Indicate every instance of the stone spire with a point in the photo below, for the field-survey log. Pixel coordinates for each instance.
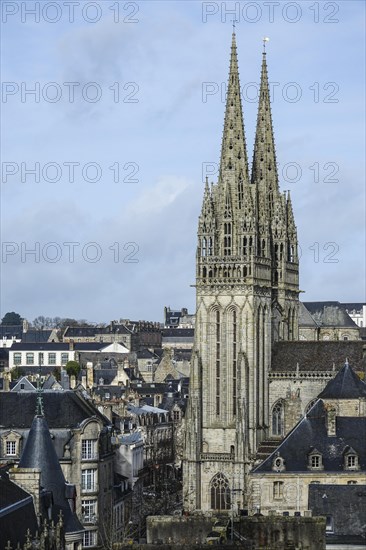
(264, 169)
(234, 160)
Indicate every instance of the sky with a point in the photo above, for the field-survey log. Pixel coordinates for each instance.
(112, 114)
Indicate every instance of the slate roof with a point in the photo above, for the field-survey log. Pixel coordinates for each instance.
(353, 306)
(146, 354)
(79, 332)
(36, 336)
(8, 331)
(39, 452)
(114, 391)
(177, 332)
(317, 355)
(311, 433)
(330, 314)
(348, 519)
(63, 409)
(305, 317)
(108, 376)
(130, 439)
(15, 521)
(345, 385)
(39, 346)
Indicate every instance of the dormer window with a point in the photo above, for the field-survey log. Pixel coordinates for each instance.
(315, 460)
(351, 461)
(278, 464)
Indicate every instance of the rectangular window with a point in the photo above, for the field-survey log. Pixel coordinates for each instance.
(278, 489)
(88, 449)
(329, 525)
(64, 358)
(88, 480)
(90, 539)
(88, 508)
(11, 448)
(316, 462)
(17, 358)
(52, 358)
(40, 358)
(176, 416)
(351, 461)
(30, 358)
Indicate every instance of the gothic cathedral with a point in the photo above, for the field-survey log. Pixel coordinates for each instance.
(247, 289)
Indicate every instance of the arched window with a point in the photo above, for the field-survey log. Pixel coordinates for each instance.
(204, 247)
(234, 362)
(218, 362)
(227, 239)
(310, 404)
(220, 492)
(277, 418)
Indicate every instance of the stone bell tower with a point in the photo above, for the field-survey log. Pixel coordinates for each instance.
(246, 298)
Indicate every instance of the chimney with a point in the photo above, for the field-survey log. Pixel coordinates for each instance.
(65, 383)
(89, 374)
(25, 325)
(6, 383)
(331, 420)
(71, 345)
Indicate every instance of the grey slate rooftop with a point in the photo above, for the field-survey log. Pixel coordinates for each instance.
(14, 522)
(311, 433)
(345, 385)
(317, 355)
(63, 408)
(39, 452)
(330, 314)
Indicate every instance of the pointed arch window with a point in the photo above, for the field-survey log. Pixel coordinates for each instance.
(210, 246)
(218, 365)
(291, 253)
(245, 244)
(220, 492)
(263, 248)
(227, 239)
(204, 247)
(240, 187)
(235, 330)
(278, 418)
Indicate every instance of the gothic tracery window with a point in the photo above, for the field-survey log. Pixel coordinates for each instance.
(277, 418)
(220, 492)
(234, 362)
(227, 239)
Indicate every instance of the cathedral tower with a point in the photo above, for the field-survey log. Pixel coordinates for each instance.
(246, 298)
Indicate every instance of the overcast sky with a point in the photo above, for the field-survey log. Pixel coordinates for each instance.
(141, 114)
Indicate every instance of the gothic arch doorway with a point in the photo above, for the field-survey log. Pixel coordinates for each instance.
(220, 492)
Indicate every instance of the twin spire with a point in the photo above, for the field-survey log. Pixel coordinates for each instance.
(234, 159)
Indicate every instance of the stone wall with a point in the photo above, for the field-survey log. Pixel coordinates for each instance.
(255, 532)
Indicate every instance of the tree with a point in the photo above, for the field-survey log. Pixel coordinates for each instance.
(16, 372)
(11, 318)
(72, 368)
